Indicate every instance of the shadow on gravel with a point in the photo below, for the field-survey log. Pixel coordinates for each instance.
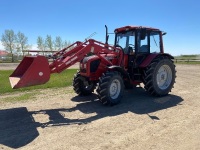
(18, 128)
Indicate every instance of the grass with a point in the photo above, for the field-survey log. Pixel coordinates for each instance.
(188, 57)
(22, 97)
(57, 80)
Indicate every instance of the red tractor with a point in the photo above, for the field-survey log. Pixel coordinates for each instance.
(136, 57)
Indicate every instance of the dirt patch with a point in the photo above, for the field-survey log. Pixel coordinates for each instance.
(58, 119)
(8, 66)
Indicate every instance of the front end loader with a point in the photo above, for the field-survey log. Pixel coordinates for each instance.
(136, 57)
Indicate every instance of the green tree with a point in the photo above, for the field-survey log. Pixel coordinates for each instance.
(40, 44)
(8, 40)
(65, 44)
(49, 42)
(58, 43)
(22, 42)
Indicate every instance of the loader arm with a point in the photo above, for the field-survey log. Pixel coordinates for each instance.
(36, 70)
(68, 58)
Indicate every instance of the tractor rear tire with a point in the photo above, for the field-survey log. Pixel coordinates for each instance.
(82, 86)
(111, 88)
(159, 76)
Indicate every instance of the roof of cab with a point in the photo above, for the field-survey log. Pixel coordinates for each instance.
(126, 28)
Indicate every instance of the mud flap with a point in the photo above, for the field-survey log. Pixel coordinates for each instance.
(33, 70)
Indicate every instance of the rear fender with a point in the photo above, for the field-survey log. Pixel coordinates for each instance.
(149, 59)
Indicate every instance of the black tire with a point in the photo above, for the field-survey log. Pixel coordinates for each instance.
(82, 86)
(159, 76)
(111, 88)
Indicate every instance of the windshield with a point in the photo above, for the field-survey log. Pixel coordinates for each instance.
(126, 41)
(154, 42)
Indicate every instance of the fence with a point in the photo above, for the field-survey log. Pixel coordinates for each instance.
(17, 58)
(187, 60)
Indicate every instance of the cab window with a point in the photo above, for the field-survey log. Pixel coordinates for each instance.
(154, 42)
(126, 40)
(143, 44)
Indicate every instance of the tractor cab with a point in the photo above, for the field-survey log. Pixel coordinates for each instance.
(138, 42)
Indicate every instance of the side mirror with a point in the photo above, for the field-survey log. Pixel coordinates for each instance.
(143, 34)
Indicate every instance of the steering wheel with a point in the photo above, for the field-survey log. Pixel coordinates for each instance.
(131, 49)
(131, 45)
(119, 47)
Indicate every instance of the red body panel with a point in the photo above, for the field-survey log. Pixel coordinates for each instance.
(148, 60)
(150, 57)
(105, 61)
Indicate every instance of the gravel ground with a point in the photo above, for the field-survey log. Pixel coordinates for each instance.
(59, 119)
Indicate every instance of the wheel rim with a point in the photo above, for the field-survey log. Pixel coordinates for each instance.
(164, 77)
(115, 89)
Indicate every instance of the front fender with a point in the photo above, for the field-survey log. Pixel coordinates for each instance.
(149, 59)
(119, 69)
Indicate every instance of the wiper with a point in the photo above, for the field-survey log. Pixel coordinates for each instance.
(155, 41)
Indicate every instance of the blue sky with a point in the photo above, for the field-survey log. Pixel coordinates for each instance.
(76, 19)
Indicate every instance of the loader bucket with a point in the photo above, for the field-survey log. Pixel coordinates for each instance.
(33, 70)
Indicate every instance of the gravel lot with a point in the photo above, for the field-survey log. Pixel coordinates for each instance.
(58, 119)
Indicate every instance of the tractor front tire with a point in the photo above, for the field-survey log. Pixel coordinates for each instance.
(82, 86)
(159, 76)
(111, 88)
